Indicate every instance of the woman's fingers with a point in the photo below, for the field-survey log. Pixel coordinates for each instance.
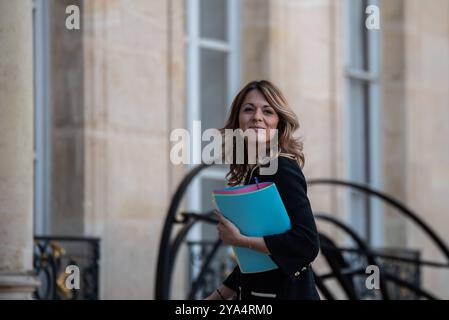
(220, 224)
(221, 228)
(218, 214)
(220, 217)
(225, 228)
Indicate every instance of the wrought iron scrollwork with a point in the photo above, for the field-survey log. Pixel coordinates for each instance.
(399, 269)
(51, 257)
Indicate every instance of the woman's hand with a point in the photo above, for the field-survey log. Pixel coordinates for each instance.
(228, 232)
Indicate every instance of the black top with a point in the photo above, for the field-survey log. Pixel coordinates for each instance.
(293, 251)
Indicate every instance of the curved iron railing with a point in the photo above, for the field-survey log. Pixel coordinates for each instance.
(402, 209)
(168, 247)
(370, 254)
(364, 249)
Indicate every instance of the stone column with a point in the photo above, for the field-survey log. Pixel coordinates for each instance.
(16, 150)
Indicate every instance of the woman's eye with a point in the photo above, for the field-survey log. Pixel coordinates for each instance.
(269, 111)
(247, 109)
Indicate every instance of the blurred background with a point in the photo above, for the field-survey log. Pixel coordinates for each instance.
(86, 115)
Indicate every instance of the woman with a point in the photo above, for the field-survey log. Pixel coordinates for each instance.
(262, 107)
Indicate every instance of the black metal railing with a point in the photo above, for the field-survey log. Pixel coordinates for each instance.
(214, 272)
(399, 269)
(52, 256)
(390, 277)
(404, 265)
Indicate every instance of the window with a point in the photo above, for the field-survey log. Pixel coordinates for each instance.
(41, 206)
(362, 118)
(212, 81)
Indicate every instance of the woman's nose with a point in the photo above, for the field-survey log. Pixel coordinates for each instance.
(258, 115)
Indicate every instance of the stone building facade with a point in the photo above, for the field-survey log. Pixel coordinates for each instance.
(117, 87)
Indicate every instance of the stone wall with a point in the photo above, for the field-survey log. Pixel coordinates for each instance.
(16, 151)
(118, 88)
(427, 96)
(117, 98)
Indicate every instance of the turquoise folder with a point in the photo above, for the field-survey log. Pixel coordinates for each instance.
(257, 210)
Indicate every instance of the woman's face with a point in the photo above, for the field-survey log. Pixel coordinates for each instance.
(256, 113)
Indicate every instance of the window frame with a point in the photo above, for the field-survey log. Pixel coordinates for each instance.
(195, 43)
(42, 119)
(373, 223)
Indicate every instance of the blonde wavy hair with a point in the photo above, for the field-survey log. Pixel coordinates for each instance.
(288, 123)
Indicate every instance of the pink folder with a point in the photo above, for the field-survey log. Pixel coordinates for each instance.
(244, 189)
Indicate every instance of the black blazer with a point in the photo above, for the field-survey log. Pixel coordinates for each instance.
(293, 251)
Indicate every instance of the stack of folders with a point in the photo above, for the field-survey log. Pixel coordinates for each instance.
(257, 210)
